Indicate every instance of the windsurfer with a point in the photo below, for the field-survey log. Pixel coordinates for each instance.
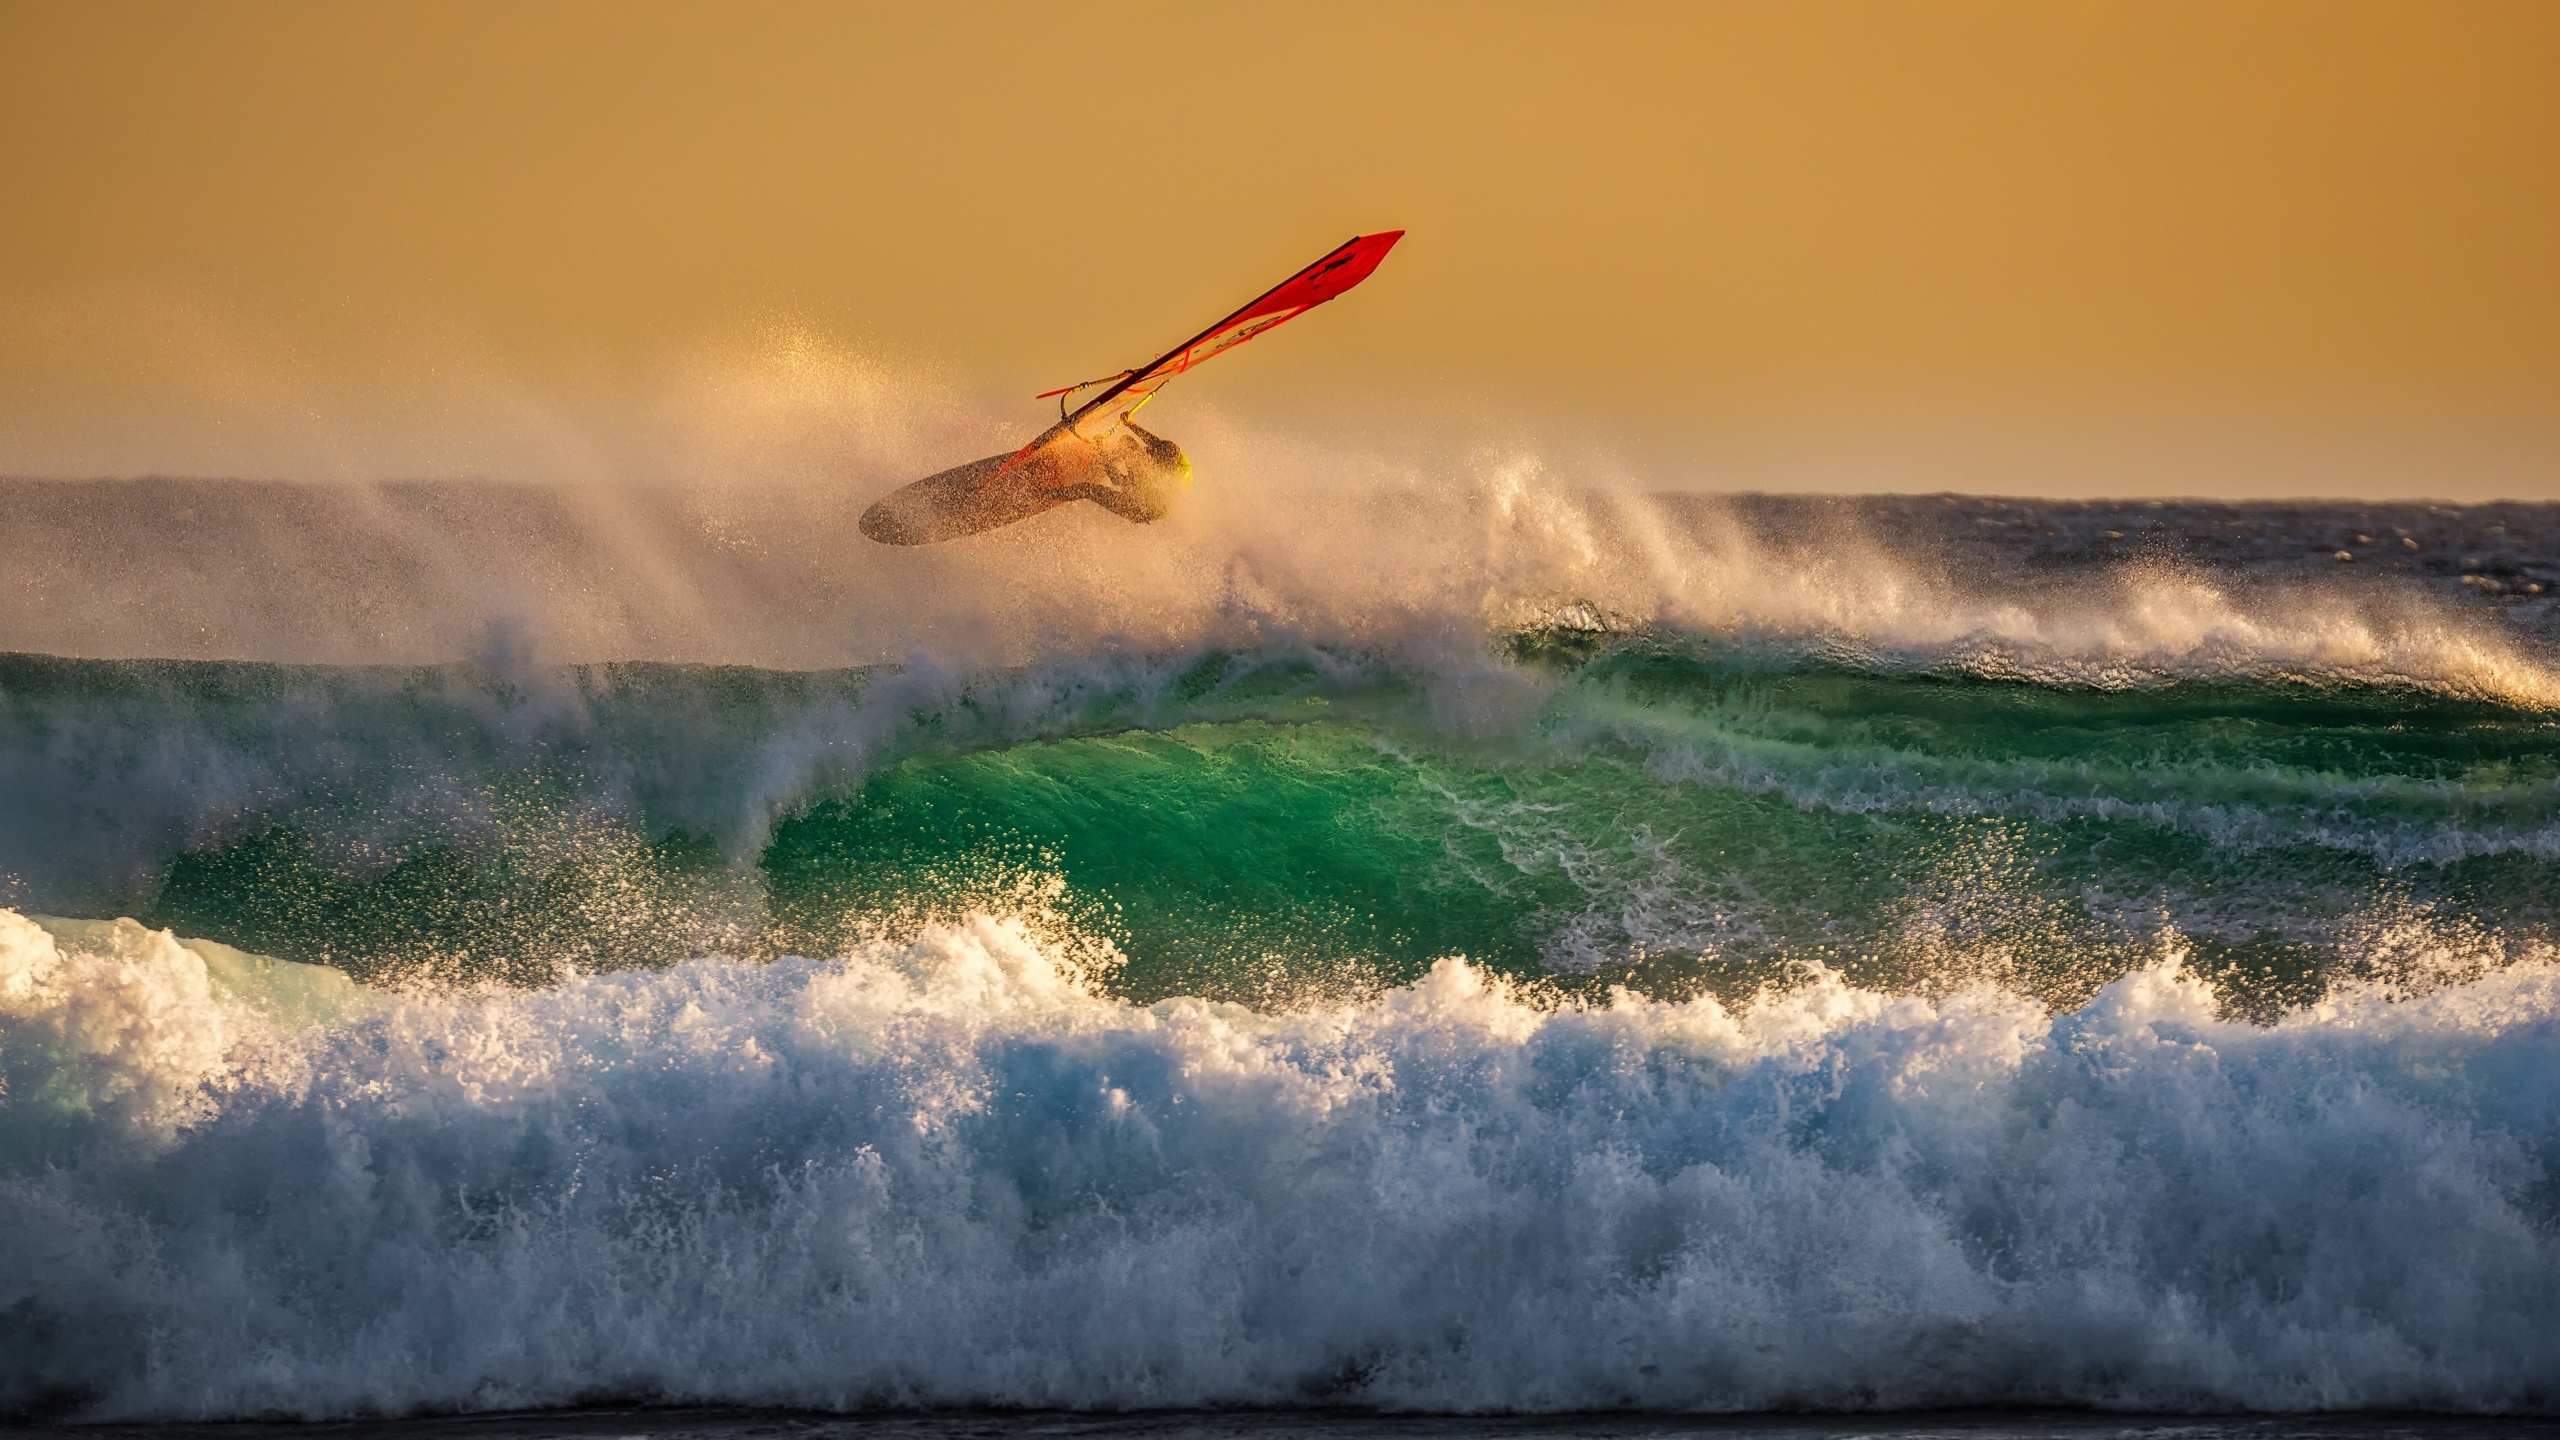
(1096, 452)
(1141, 473)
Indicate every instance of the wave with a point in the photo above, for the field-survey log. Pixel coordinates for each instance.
(1580, 799)
(949, 1171)
(1424, 558)
(1420, 928)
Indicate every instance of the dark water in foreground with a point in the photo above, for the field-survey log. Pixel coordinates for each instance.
(717, 1424)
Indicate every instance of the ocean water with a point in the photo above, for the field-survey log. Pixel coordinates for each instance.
(1582, 955)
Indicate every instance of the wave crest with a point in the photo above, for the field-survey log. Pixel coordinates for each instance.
(943, 1171)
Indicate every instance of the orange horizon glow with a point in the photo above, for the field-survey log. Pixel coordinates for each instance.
(1727, 229)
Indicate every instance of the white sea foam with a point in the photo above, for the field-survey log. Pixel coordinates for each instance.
(715, 524)
(112, 1029)
(943, 1171)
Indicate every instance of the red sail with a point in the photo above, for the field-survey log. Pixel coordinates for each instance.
(1345, 267)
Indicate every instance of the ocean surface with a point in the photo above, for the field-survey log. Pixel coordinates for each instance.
(1555, 956)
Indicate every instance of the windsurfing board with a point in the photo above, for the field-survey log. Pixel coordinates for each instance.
(999, 490)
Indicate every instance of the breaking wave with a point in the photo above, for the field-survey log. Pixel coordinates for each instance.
(945, 1170)
(1585, 951)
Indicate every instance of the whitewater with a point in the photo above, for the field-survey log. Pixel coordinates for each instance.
(1506, 944)
(944, 1172)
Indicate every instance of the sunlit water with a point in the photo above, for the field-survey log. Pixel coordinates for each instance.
(2071, 957)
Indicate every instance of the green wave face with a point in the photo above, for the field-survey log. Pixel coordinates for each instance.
(1672, 825)
(1656, 813)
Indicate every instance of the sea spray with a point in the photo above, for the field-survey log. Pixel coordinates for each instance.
(945, 1171)
(1585, 951)
(1664, 809)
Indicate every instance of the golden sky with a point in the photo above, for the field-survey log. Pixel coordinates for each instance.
(1651, 216)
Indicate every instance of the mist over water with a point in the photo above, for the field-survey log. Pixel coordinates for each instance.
(1462, 933)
